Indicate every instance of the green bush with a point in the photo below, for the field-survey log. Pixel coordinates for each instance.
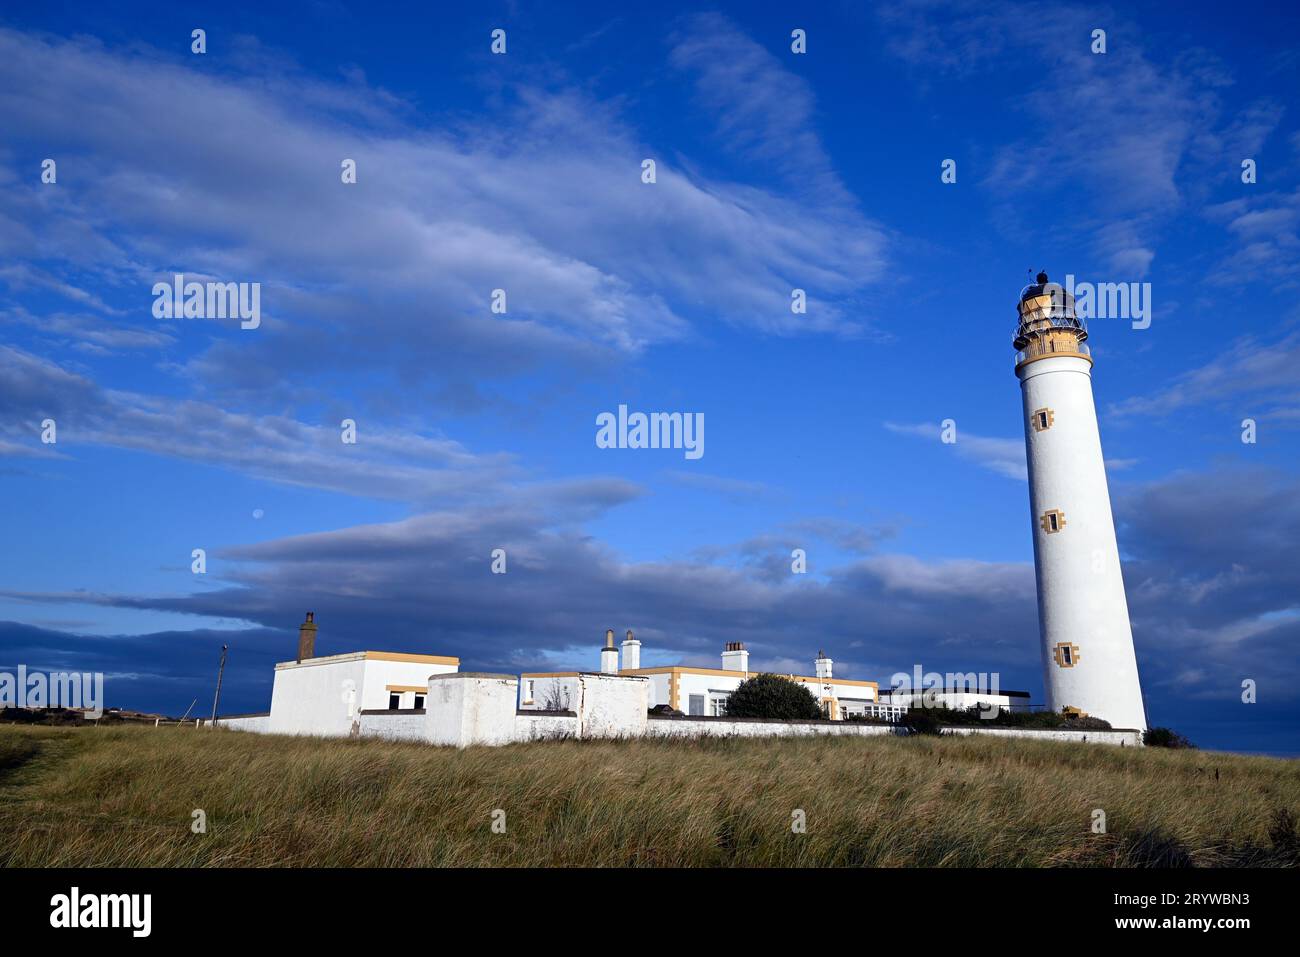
(1165, 738)
(771, 696)
(926, 720)
(974, 717)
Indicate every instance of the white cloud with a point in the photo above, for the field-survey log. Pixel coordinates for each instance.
(1003, 456)
(539, 195)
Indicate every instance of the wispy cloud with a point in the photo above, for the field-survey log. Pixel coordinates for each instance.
(1257, 377)
(763, 110)
(392, 277)
(1109, 138)
(1002, 456)
(733, 489)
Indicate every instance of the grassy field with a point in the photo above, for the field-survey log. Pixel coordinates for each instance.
(87, 797)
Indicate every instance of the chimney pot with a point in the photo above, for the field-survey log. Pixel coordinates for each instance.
(735, 657)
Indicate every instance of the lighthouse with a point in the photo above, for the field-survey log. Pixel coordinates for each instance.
(1089, 665)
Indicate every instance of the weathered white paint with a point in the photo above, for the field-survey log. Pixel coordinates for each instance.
(320, 696)
(659, 726)
(545, 727)
(1080, 586)
(611, 706)
(470, 708)
(1129, 737)
(687, 727)
(394, 725)
(244, 722)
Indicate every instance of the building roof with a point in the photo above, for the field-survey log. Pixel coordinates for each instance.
(718, 672)
(373, 656)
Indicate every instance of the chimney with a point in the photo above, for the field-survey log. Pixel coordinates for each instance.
(307, 638)
(631, 652)
(823, 665)
(609, 655)
(735, 657)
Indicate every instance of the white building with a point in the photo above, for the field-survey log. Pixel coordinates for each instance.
(327, 695)
(1089, 664)
(427, 698)
(704, 691)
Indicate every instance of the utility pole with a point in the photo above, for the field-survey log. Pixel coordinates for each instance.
(220, 673)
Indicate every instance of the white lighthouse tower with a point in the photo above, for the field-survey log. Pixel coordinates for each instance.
(1089, 665)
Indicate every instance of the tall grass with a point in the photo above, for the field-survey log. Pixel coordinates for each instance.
(88, 797)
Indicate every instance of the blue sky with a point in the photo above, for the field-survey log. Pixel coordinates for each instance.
(476, 430)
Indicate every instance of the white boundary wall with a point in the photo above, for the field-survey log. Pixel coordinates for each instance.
(393, 725)
(245, 722)
(465, 709)
(695, 727)
(1126, 737)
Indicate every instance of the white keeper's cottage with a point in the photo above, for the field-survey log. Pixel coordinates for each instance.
(703, 692)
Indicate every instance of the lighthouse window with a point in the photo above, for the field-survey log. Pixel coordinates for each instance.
(1066, 654)
(1053, 521)
(1043, 419)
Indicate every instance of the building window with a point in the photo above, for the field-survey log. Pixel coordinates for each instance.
(1066, 654)
(718, 706)
(419, 701)
(394, 701)
(528, 691)
(1053, 521)
(1043, 419)
(695, 704)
